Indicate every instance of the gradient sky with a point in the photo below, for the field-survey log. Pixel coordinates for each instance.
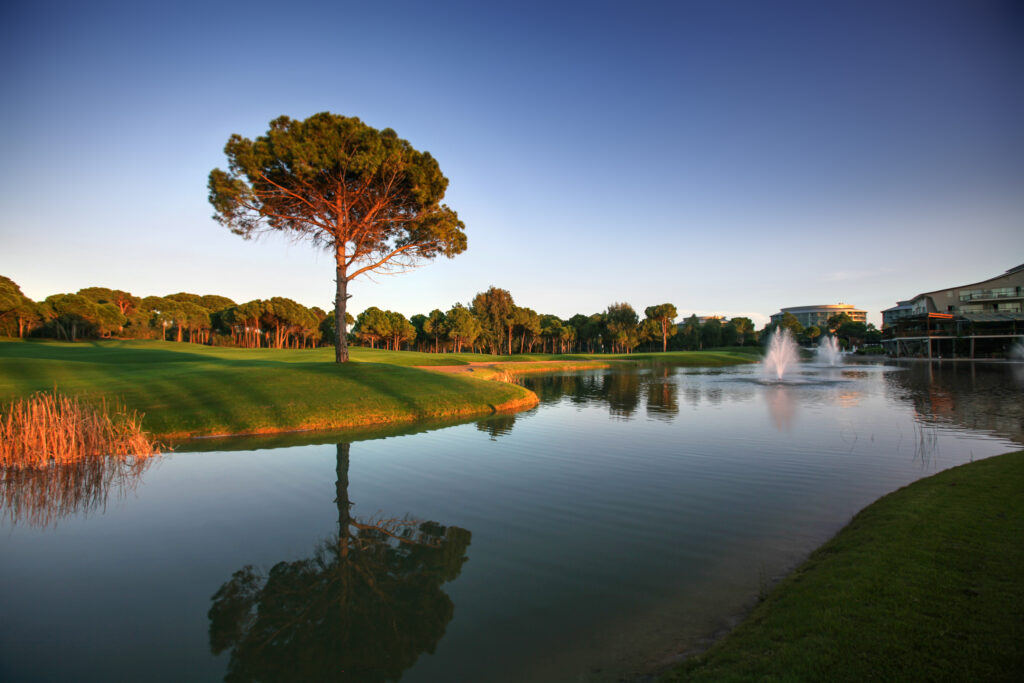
(728, 157)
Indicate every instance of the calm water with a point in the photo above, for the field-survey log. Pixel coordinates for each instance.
(628, 518)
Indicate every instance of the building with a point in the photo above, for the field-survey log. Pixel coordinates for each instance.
(980, 319)
(819, 315)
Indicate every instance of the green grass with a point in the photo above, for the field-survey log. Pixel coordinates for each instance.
(926, 584)
(186, 389)
(190, 390)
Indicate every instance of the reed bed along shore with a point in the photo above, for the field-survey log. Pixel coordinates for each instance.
(51, 428)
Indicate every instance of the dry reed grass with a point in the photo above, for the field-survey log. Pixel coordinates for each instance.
(50, 428)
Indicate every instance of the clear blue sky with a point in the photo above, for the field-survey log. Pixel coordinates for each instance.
(728, 157)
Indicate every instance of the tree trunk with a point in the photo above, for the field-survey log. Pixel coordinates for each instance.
(340, 301)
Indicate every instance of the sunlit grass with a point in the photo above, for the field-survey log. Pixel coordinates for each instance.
(186, 389)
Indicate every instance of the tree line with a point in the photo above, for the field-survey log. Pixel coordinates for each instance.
(849, 332)
(490, 323)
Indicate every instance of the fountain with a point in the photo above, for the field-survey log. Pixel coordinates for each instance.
(781, 354)
(828, 351)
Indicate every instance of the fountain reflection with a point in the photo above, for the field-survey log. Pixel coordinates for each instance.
(41, 496)
(362, 608)
(781, 407)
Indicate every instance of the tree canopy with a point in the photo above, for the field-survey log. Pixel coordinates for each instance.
(364, 195)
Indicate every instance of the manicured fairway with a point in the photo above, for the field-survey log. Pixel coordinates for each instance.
(926, 584)
(187, 389)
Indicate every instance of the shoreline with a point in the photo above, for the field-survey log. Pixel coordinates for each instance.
(510, 406)
(871, 601)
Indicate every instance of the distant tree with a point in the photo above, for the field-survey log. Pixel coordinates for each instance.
(711, 334)
(494, 309)
(790, 322)
(365, 195)
(400, 330)
(109, 320)
(730, 337)
(838, 320)
(215, 302)
(566, 337)
(649, 331)
(71, 314)
(527, 325)
(621, 321)
(461, 326)
(852, 334)
(744, 328)
(585, 331)
(126, 303)
(872, 335)
(245, 323)
(285, 318)
(421, 339)
(16, 308)
(551, 329)
(328, 330)
(372, 326)
(433, 326)
(664, 315)
(186, 297)
(812, 332)
(691, 333)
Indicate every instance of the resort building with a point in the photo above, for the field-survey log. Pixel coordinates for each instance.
(980, 319)
(819, 315)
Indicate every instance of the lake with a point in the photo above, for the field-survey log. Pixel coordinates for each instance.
(632, 516)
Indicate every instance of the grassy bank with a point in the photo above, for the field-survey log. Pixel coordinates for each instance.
(927, 583)
(191, 390)
(186, 390)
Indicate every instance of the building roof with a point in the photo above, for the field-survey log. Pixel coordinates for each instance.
(992, 317)
(1011, 271)
(838, 307)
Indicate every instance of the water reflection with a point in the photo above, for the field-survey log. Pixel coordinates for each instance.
(662, 395)
(363, 607)
(497, 425)
(977, 396)
(622, 392)
(781, 406)
(41, 496)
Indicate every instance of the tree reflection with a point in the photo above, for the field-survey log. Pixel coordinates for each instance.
(497, 425)
(363, 608)
(41, 496)
(662, 395)
(621, 392)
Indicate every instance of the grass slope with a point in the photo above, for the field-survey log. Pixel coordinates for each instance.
(925, 584)
(186, 389)
(191, 390)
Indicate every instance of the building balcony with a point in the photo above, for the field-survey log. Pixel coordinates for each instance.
(992, 294)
